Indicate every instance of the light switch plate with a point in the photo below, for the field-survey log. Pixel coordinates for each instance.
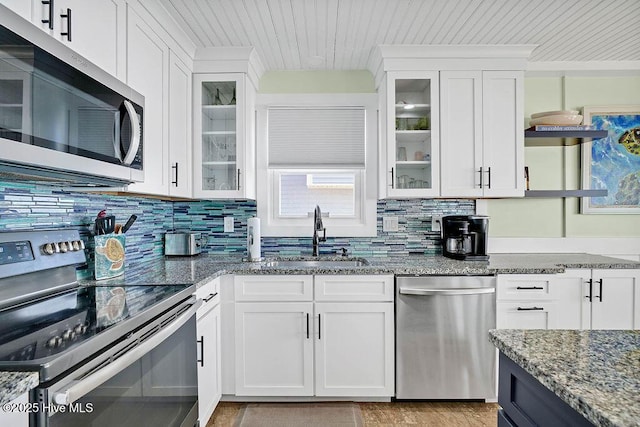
(228, 224)
(389, 223)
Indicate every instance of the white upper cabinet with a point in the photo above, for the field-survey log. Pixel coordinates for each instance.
(163, 77)
(96, 29)
(472, 143)
(219, 123)
(482, 137)
(179, 128)
(412, 124)
(147, 73)
(224, 91)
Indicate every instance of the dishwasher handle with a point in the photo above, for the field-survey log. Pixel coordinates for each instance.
(451, 291)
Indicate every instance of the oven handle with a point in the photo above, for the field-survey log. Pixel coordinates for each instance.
(84, 386)
(460, 291)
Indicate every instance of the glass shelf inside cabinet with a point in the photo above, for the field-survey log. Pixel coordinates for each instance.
(413, 133)
(219, 111)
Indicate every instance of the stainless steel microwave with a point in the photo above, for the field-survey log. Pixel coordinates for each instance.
(61, 117)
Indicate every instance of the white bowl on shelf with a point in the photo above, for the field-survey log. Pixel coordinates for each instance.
(557, 120)
(555, 113)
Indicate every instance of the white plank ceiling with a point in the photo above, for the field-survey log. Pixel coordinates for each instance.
(341, 34)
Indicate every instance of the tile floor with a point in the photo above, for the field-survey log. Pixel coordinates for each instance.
(437, 414)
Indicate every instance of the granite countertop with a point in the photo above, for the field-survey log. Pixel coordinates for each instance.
(596, 372)
(14, 384)
(200, 269)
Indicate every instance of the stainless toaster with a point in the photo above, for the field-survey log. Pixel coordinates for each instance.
(182, 243)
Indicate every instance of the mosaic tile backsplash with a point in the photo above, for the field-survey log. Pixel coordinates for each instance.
(25, 206)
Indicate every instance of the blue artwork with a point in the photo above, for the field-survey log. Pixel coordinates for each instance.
(615, 161)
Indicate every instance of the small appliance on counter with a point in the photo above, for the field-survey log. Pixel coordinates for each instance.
(464, 237)
(182, 244)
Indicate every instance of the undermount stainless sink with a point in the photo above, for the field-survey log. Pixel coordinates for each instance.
(317, 263)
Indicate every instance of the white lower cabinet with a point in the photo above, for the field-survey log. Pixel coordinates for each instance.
(538, 301)
(209, 368)
(575, 299)
(312, 347)
(611, 298)
(274, 349)
(353, 349)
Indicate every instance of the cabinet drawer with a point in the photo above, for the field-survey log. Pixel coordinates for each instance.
(525, 287)
(354, 288)
(209, 289)
(526, 315)
(273, 288)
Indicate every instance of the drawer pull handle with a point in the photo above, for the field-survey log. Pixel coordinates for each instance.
(307, 325)
(201, 360)
(599, 296)
(68, 18)
(210, 297)
(49, 20)
(590, 296)
(530, 308)
(530, 288)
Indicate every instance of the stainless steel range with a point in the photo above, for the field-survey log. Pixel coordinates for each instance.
(108, 355)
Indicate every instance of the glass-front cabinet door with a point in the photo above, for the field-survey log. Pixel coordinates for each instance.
(219, 135)
(412, 136)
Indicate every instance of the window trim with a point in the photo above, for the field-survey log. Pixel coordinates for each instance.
(365, 225)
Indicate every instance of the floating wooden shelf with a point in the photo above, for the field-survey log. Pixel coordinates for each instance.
(559, 137)
(565, 193)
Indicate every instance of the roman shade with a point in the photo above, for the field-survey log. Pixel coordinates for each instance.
(331, 137)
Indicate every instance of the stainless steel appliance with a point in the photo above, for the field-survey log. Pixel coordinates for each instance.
(182, 244)
(61, 117)
(465, 237)
(108, 355)
(442, 349)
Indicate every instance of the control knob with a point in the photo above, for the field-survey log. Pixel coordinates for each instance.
(63, 247)
(48, 249)
(68, 335)
(75, 245)
(80, 329)
(54, 342)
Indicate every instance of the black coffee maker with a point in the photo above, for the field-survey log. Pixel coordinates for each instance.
(465, 237)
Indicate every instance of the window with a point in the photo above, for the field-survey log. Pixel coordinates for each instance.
(317, 154)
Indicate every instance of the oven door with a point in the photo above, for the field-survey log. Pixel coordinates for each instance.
(149, 378)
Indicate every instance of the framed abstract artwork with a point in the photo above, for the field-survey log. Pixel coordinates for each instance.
(613, 162)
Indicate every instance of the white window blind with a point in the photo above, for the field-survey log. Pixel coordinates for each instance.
(317, 137)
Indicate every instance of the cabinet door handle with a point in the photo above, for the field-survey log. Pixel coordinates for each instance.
(392, 179)
(537, 288)
(201, 342)
(307, 325)
(530, 308)
(68, 16)
(238, 180)
(489, 176)
(176, 169)
(50, 19)
(210, 297)
(481, 177)
(319, 327)
(590, 296)
(599, 296)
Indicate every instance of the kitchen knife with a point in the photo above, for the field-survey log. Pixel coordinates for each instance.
(129, 223)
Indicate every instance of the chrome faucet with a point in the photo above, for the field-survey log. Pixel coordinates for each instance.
(317, 226)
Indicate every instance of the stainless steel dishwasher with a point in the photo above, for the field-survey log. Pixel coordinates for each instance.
(442, 345)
